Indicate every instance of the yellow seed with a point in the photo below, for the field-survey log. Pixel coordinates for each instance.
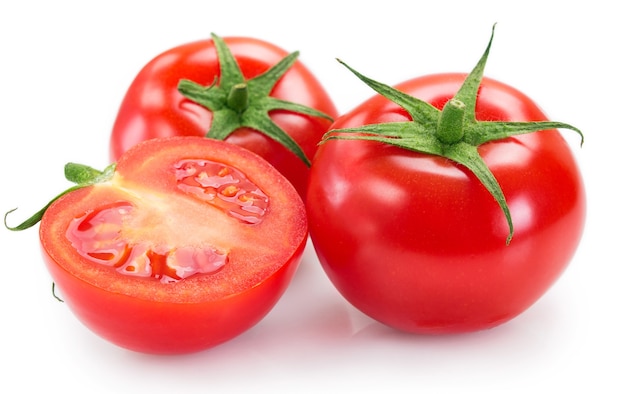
(230, 191)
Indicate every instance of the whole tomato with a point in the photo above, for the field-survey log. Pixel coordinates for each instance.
(240, 89)
(449, 213)
(184, 243)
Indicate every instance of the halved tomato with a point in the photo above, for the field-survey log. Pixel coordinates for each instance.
(188, 244)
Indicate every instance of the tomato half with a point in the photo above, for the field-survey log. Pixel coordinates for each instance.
(153, 106)
(417, 242)
(190, 243)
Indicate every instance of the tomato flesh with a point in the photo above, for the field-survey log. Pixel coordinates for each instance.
(189, 244)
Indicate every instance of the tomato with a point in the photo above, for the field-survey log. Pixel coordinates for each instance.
(189, 243)
(299, 108)
(415, 240)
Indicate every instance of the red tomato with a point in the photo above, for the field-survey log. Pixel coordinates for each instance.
(190, 243)
(154, 107)
(418, 243)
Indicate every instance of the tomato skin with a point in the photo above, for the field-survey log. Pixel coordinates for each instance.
(146, 326)
(198, 312)
(153, 107)
(416, 242)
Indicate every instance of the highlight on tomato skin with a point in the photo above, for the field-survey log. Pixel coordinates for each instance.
(190, 243)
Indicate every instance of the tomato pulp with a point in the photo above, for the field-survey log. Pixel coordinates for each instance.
(417, 242)
(189, 244)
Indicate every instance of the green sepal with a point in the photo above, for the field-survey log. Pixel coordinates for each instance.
(456, 136)
(79, 174)
(237, 103)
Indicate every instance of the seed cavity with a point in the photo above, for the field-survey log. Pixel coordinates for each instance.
(96, 236)
(224, 187)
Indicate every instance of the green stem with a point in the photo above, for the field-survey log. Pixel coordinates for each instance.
(238, 97)
(237, 102)
(450, 124)
(79, 174)
(453, 133)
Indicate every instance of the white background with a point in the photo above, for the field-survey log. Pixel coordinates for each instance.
(64, 68)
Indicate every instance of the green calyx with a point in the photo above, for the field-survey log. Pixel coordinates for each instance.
(79, 174)
(237, 103)
(453, 132)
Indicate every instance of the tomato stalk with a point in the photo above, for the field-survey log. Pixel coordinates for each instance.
(453, 132)
(79, 174)
(237, 103)
(238, 97)
(450, 125)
